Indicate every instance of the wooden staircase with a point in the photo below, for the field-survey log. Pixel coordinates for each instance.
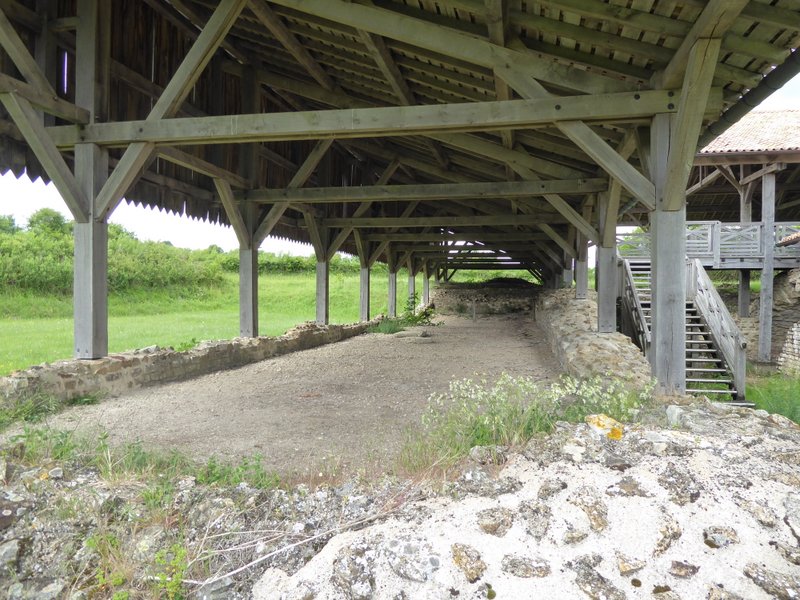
(706, 369)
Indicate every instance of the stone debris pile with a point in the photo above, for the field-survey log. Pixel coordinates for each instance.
(704, 503)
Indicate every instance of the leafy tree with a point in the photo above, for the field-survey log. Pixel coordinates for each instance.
(118, 231)
(48, 221)
(7, 224)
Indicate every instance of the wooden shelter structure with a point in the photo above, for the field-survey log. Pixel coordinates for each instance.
(755, 162)
(428, 134)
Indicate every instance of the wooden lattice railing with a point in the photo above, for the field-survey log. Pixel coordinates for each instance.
(714, 242)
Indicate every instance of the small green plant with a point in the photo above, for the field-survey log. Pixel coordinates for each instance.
(158, 496)
(172, 564)
(411, 317)
(83, 400)
(110, 573)
(184, 346)
(387, 326)
(250, 470)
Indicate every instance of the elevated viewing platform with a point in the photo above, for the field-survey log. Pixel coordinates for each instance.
(724, 245)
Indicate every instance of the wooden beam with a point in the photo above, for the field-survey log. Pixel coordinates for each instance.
(716, 19)
(138, 153)
(428, 192)
(382, 246)
(480, 146)
(276, 27)
(691, 107)
(478, 236)
(704, 182)
(773, 168)
(562, 206)
(728, 174)
(437, 221)
(51, 104)
(362, 209)
(370, 122)
(30, 125)
(449, 42)
(22, 59)
(589, 141)
(303, 173)
(197, 164)
(232, 210)
(383, 58)
(562, 243)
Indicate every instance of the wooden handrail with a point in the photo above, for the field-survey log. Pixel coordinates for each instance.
(723, 328)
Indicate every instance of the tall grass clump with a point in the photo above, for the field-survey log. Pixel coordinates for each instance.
(776, 394)
(509, 412)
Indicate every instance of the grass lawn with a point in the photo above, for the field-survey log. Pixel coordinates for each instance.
(41, 331)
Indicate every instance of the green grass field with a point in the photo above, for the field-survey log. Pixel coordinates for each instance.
(41, 328)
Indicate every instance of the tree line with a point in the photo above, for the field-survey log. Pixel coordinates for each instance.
(39, 257)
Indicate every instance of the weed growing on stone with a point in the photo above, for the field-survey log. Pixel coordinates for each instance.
(509, 412)
(172, 564)
(113, 570)
(184, 346)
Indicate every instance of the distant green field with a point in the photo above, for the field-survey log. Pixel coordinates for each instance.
(42, 331)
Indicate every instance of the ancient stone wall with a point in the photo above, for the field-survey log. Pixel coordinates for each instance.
(464, 299)
(68, 380)
(785, 314)
(571, 328)
(789, 359)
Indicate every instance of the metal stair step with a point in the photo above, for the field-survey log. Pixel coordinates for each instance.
(714, 391)
(704, 370)
(714, 381)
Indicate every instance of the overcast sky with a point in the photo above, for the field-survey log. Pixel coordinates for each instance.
(20, 198)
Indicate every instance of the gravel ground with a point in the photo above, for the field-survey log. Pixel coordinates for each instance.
(334, 408)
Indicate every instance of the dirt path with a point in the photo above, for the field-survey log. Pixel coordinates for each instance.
(345, 405)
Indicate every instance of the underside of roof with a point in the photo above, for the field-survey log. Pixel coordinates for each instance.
(613, 64)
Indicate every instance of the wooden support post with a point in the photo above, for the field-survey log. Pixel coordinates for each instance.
(363, 248)
(668, 258)
(745, 216)
(248, 291)
(319, 240)
(412, 288)
(582, 269)
(743, 307)
(323, 292)
(606, 289)
(567, 274)
(243, 219)
(767, 272)
(90, 280)
(364, 287)
(606, 271)
(426, 286)
(392, 305)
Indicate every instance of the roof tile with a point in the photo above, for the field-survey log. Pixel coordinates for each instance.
(760, 131)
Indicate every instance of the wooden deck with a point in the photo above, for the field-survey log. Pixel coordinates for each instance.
(724, 245)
